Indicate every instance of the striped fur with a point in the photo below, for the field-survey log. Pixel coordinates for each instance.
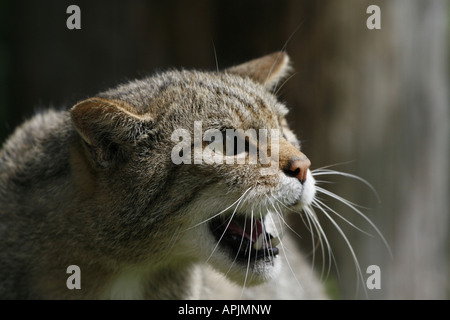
(95, 187)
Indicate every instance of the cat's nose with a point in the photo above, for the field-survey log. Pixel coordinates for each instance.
(298, 167)
(292, 161)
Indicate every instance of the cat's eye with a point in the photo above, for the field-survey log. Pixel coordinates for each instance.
(229, 143)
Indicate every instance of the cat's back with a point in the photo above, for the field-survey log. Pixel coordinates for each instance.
(33, 162)
(34, 153)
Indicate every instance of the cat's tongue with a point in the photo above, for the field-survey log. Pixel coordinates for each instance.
(253, 229)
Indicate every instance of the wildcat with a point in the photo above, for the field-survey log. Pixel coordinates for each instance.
(95, 187)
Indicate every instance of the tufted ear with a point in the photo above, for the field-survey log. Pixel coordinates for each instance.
(108, 128)
(267, 70)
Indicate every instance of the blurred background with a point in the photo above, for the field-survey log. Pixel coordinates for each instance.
(374, 103)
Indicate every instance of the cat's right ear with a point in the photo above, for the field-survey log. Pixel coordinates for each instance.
(267, 70)
(108, 128)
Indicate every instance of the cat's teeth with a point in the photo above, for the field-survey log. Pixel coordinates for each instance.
(259, 242)
(258, 245)
(274, 241)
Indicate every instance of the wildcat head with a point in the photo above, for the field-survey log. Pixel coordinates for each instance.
(175, 214)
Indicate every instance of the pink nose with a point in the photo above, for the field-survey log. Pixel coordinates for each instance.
(298, 168)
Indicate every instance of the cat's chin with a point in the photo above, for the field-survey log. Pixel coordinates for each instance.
(246, 274)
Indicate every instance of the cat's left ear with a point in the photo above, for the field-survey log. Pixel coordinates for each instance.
(267, 70)
(108, 128)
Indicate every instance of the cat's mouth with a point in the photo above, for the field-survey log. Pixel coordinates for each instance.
(246, 237)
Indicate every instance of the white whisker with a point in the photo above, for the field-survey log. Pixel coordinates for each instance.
(335, 196)
(239, 248)
(334, 165)
(218, 214)
(280, 217)
(224, 231)
(249, 256)
(284, 82)
(341, 232)
(312, 222)
(284, 250)
(352, 206)
(309, 227)
(215, 57)
(343, 218)
(265, 243)
(321, 172)
(312, 215)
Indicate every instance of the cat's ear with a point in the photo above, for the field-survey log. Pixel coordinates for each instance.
(267, 70)
(108, 128)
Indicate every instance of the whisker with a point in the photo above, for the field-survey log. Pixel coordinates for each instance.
(311, 213)
(271, 69)
(324, 182)
(285, 254)
(295, 211)
(343, 218)
(282, 50)
(315, 245)
(240, 246)
(337, 197)
(353, 207)
(224, 210)
(249, 256)
(321, 172)
(223, 233)
(265, 242)
(284, 82)
(341, 232)
(215, 57)
(334, 165)
(309, 227)
(282, 219)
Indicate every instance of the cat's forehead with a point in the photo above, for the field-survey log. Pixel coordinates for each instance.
(203, 94)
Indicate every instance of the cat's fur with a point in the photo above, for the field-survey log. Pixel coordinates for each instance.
(95, 187)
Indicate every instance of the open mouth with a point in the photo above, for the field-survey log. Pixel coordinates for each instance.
(245, 237)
